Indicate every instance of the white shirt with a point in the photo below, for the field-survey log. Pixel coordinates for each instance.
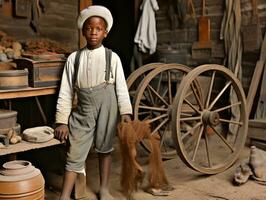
(91, 73)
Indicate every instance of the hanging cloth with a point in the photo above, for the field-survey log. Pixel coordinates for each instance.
(146, 36)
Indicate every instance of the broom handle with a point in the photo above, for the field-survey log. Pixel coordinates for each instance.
(203, 7)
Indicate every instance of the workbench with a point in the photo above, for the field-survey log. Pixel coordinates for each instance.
(8, 95)
(28, 92)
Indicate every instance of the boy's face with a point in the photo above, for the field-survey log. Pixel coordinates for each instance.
(94, 30)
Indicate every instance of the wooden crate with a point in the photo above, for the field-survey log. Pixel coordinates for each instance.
(42, 73)
(257, 133)
(257, 129)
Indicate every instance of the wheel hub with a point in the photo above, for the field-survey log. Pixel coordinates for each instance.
(211, 118)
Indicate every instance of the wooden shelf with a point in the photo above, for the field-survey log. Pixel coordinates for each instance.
(27, 92)
(25, 146)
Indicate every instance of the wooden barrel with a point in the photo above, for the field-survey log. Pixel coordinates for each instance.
(19, 180)
(13, 79)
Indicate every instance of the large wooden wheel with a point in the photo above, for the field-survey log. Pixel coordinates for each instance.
(137, 76)
(206, 137)
(153, 102)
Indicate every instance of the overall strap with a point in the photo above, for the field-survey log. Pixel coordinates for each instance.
(76, 67)
(108, 57)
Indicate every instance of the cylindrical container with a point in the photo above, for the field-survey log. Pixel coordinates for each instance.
(19, 180)
(8, 118)
(13, 79)
(171, 56)
(16, 128)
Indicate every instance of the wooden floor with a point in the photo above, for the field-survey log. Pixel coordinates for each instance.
(189, 185)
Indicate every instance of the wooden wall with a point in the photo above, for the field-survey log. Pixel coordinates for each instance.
(179, 39)
(58, 22)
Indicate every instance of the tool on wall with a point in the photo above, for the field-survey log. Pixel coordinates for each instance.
(202, 48)
(252, 28)
(7, 8)
(22, 8)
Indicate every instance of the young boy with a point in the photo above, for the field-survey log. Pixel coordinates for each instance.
(101, 95)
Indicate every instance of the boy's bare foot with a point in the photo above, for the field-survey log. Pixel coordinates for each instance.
(64, 198)
(105, 195)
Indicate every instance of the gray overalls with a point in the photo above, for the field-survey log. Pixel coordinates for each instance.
(94, 120)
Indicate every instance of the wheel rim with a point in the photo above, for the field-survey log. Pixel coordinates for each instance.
(201, 131)
(153, 102)
(139, 74)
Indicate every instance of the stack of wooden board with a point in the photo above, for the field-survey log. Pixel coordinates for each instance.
(257, 133)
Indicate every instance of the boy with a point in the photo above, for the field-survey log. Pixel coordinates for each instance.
(100, 95)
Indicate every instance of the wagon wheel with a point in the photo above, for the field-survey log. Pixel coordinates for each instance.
(137, 76)
(202, 136)
(153, 102)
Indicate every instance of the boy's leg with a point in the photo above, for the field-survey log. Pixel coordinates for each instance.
(105, 160)
(68, 184)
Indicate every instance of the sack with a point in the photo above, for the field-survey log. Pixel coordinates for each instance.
(38, 134)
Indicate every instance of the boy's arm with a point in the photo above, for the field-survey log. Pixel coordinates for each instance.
(65, 97)
(64, 102)
(123, 98)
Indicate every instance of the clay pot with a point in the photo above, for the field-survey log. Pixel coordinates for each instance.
(19, 180)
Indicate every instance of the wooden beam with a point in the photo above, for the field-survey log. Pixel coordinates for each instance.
(82, 5)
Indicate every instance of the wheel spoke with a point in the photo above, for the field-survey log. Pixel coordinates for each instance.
(162, 139)
(190, 118)
(169, 87)
(157, 118)
(164, 93)
(153, 108)
(207, 148)
(227, 107)
(160, 125)
(196, 95)
(190, 131)
(210, 90)
(144, 113)
(158, 87)
(158, 95)
(185, 114)
(231, 122)
(197, 145)
(192, 106)
(223, 139)
(219, 95)
(149, 97)
(188, 94)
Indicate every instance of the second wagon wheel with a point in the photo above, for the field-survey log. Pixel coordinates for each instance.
(207, 136)
(153, 103)
(137, 76)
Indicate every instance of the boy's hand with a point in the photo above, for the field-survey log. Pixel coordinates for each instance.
(125, 118)
(61, 132)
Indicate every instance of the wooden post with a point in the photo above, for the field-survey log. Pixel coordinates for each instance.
(83, 4)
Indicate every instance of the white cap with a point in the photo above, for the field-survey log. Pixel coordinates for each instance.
(95, 10)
